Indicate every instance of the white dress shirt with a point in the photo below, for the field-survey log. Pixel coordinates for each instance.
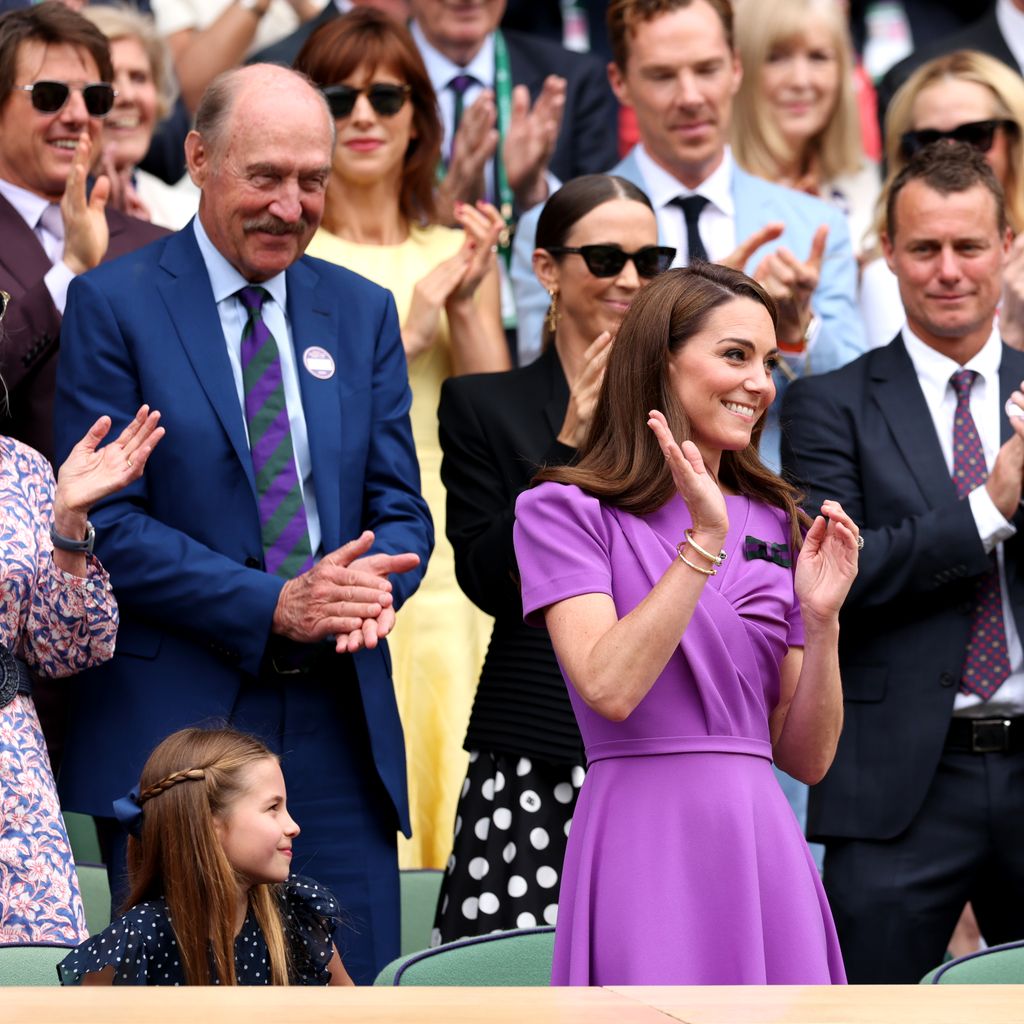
(717, 221)
(933, 373)
(226, 281)
(1011, 24)
(31, 208)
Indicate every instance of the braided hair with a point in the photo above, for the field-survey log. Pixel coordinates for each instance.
(189, 781)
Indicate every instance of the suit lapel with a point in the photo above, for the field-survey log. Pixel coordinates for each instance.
(901, 402)
(314, 321)
(549, 368)
(185, 287)
(21, 253)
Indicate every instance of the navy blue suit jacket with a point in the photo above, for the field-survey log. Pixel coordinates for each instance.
(182, 544)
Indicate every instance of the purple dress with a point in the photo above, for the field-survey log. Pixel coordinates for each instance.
(685, 863)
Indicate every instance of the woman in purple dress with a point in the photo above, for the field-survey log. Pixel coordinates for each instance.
(699, 647)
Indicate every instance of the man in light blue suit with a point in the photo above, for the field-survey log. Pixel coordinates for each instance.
(675, 65)
(251, 587)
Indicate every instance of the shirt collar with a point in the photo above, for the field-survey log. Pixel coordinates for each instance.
(662, 187)
(29, 205)
(442, 70)
(934, 369)
(225, 280)
(1011, 25)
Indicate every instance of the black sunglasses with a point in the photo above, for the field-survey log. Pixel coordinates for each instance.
(49, 97)
(978, 134)
(4, 300)
(608, 260)
(385, 98)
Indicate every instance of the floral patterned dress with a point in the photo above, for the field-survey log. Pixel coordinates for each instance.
(59, 624)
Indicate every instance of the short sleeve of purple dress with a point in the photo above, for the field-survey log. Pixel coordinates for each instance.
(685, 864)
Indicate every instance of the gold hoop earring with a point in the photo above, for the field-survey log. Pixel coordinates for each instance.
(553, 316)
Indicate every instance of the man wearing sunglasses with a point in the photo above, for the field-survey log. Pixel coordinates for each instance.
(260, 567)
(922, 442)
(55, 89)
(675, 65)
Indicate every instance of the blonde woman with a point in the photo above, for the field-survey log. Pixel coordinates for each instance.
(795, 119)
(969, 97)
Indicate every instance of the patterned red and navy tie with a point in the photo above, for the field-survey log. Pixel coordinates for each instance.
(987, 662)
(282, 514)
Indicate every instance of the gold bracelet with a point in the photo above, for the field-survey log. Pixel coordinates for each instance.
(686, 561)
(716, 560)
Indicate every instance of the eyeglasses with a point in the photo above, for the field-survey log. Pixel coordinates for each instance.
(978, 134)
(49, 97)
(385, 98)
(608, 260)
(4, 300)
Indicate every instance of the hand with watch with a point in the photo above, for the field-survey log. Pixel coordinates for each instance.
(90, 473)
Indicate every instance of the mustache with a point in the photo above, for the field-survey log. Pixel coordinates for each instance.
(272, 225)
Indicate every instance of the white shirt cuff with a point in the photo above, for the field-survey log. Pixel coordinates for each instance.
(992, 528)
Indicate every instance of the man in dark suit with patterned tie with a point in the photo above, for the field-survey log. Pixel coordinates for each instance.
(259, 567)
(923, 809)
(55, 89)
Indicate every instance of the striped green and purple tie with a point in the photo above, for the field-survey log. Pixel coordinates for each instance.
(282, 514)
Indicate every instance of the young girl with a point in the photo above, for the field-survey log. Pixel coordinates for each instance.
(212, 898)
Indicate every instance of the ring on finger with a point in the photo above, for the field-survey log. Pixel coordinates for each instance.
(860, 542)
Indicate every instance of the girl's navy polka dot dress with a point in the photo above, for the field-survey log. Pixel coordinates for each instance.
(143, 951)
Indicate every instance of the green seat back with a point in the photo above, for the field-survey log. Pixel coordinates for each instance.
(997, 965)
(95, 896)
(31, 965)
(521, 957)
(419, 891)
(85, 844)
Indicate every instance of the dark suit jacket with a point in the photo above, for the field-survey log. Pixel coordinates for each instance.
(183, 544)
(496, 430)
(983, 35)
(863, 435)
(588, 141)
(31, 328)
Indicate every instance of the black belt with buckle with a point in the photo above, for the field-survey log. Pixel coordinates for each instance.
(14, 677)
(986, 735)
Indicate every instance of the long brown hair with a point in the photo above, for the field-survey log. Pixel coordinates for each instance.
(364, 36)
(620, 461)
(191, 776)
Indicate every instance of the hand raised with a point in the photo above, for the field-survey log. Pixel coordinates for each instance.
(86, 234)
(531, 139)
(483, 226)
(740, 256)
(584, 390)
(696, 486)
(473, 146)
(90, 472)
(827, 564)
(792, 283)
(1011, 311)
(373, 631)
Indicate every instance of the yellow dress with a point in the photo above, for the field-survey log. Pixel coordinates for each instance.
(438, 644)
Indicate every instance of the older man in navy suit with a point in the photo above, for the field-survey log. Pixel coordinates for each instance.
(260, 565)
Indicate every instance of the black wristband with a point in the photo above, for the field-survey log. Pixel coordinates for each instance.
(67, 544)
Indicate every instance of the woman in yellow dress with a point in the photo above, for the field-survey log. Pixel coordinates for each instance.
(380, 221)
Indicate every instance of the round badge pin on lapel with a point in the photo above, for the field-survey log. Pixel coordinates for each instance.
(319, 362)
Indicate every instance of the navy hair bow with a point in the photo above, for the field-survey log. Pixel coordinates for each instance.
(128, 812)
(754, 547)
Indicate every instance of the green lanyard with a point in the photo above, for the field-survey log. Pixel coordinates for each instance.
(503, 96)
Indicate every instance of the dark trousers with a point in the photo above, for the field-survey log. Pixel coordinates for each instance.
(896, 902)
(315, 722)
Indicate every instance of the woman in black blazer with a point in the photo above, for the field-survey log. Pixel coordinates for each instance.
(497, 429)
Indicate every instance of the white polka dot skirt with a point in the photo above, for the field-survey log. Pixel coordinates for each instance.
(511, 826)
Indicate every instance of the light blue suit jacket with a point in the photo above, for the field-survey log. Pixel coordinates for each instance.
(758, 202)
(183, 544)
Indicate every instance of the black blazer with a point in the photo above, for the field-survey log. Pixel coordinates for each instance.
(588, 141)
(983, 35)
(31, 329)
(496, 430)
(863, 435)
